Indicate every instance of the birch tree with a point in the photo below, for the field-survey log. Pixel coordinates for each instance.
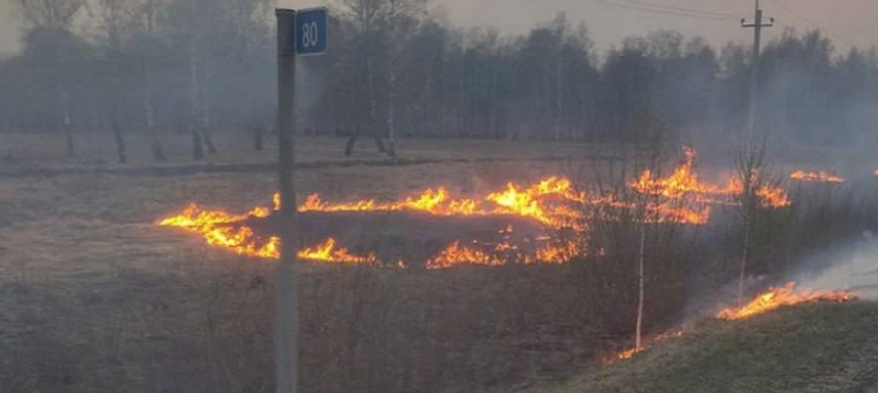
(750, 173)
(117, 23)
(150, 48)
(49, 22)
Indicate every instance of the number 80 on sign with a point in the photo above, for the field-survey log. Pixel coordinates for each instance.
(311, 31)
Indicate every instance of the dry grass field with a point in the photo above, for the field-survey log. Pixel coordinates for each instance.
(98, 298)
(23, 151)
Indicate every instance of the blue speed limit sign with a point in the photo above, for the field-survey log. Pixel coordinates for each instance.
(311, 31)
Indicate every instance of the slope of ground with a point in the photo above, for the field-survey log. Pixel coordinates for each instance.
(811, 348)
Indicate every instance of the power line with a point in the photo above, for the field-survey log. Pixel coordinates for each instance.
(683, 9)
(813, 23)
(688, 14)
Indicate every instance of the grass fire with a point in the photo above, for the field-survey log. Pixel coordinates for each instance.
(820, 176)
(622, 196)
(552, 202)
(787, 295)
(546, 202)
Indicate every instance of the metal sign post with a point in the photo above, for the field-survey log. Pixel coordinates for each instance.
(286, 289)
(298, 33)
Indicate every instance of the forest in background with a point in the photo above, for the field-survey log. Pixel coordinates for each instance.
(396, 68)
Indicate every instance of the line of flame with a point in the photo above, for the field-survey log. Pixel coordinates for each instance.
(777, 297)
(770, 300)
(222, 229)
(551, 201)
(683, 183)
(821, 176)
(532, 202)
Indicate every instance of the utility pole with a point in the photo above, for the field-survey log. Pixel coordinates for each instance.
(757, 26)
(286, 290)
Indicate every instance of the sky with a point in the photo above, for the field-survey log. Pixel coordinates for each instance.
(847, 22)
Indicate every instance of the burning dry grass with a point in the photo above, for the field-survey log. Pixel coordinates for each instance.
(96, 298)
(821, 177)
(768, 301)
(552, 201)
(813, 348)
(683, 184)
(530, 202)
(787, 295)
(628, 354)
(111, 303)
(547, 202)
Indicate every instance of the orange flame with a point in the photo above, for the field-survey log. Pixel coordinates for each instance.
(218, 229)
(503, 253)
(682, 198)
(627, 354)
(328, 252)
(769, 196)
(681, 182)
(683, 185)
(275, 199)
(698, 215)
(787, 295)
(773, 196)
(436, 202)
(821, 176)
(224, 230)
(457, 254)
(531, 202)
(558, 255)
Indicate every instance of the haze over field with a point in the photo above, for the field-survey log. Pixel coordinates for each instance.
(434, 205)
(848, 22)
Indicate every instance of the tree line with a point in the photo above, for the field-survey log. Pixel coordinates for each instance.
(396, 70)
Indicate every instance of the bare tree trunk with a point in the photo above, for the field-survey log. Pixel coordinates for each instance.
(391, 88)
(379, 143)
(391, 112)
(429, 102)
(258, 138)
(373, 110)
(114, 121)
(352, 142)
(68, 129)
(197, 149)
(638, 330)
(744, 256)
(750, 163)
(117, 134)
(206, 125)
(462, 107)
(558, 102)
(158, 151)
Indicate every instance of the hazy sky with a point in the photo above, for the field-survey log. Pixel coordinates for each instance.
(848, 22)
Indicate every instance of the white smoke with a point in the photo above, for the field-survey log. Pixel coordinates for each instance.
(310, 87)
(856, 270)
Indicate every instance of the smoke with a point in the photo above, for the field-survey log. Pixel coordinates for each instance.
(310, 87)
(854, 269)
